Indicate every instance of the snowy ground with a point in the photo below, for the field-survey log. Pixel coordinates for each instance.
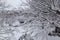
(35, 28)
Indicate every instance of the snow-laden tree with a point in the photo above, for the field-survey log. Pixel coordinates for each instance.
(48, 10)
